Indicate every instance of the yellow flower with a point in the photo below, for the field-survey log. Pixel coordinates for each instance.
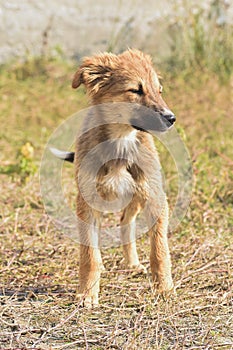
(27, 150)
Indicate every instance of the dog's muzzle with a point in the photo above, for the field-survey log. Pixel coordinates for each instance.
(146, 119)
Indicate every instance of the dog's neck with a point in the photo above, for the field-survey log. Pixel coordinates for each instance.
(119, 131)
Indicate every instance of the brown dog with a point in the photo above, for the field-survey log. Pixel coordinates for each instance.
(132, 169)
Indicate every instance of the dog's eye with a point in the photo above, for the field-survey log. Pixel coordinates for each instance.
(160, 89)
(138, 91)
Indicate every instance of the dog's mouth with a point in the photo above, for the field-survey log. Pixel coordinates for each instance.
(168, 123)
(138, 128)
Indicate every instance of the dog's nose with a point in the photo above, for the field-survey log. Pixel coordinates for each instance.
(171, 118)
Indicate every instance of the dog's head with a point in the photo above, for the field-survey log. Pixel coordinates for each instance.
(128, 77)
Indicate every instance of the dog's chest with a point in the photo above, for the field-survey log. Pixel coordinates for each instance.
(122, 153)
(127, 147)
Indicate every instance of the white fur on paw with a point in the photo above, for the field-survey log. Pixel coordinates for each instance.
(166, 288)
(88, 301)
(139, 268)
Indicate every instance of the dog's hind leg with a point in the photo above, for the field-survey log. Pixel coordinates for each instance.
(128, 236)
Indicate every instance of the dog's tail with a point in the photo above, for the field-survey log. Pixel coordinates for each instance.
(68, 156)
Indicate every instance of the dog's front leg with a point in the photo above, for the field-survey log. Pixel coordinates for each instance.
(89, 275)
(128, 237)
(160, 260)
(90, 263)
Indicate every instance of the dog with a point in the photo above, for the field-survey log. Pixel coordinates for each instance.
(125, 161)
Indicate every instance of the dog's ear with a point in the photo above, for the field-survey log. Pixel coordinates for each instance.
(77, 80)
(95, 72)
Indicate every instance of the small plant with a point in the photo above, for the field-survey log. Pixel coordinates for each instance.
(25, 166)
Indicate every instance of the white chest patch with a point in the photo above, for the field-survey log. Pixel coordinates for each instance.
(131, 137)
(126, 146)
(118, 179)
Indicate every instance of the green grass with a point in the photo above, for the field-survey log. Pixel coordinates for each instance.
(39, 265)
(200, 38)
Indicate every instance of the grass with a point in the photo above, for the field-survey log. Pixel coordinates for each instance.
(39, 265)
(200, 38)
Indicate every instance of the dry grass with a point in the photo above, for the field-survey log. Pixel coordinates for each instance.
(39, 265)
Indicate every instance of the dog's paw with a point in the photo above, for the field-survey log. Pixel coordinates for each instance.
(165, 288)
(139, 268)
(88, 301)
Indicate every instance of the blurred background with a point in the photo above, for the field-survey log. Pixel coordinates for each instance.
(179, 32)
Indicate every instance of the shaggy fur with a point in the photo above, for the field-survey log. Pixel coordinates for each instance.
(132, 169)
